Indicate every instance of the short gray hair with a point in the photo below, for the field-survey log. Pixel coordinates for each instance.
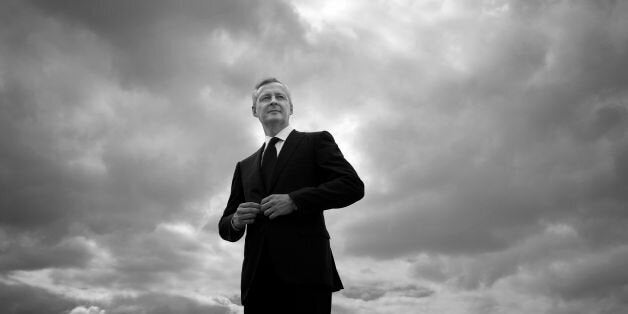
(266, 81)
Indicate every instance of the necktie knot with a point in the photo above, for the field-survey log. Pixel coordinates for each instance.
(271, 147)
(273, 141)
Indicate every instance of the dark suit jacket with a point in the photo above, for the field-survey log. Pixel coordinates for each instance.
(312, 170)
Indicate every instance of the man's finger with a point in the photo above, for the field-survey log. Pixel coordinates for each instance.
(268, 211)
(274, 215)
(246, 210)
(247, 216)
(267, 199)
(249, 205)
(267, 206)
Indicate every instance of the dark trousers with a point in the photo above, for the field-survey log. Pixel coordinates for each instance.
(270, 294)
(289, 300)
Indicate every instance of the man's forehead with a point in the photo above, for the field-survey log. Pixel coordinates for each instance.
(272, 87)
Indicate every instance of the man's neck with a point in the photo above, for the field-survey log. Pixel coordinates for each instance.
(272, 130)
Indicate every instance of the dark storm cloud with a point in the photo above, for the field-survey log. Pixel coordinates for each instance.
(147, 259)
(166, 45)
(30, 254)
(511, 153)
(364, 293)
(376, 291)
(597, 277)
(20, 298)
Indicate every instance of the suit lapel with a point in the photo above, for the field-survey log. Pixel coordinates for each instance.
(257, 174)
(288, 148)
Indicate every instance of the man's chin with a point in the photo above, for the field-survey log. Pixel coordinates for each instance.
(274, 114)
(274, 118)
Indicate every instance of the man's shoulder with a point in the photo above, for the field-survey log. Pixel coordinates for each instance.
(250, 158)
(315, 138)
(315, 134)
(312, 137)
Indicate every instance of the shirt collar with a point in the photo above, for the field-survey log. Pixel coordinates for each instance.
(283, 134)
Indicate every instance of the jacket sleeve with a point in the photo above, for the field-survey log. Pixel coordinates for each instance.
(236, 197)
(339, 184)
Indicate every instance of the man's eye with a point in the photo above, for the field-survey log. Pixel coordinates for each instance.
(280, 97)
(265, 98)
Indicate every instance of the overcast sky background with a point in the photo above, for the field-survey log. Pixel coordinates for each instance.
(492, 137)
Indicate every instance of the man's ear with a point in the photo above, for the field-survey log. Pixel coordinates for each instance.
(254, 111)
(291, 108)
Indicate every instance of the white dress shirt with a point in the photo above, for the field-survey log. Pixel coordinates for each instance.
(282, 135)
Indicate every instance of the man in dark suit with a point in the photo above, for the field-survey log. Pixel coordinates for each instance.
(278, 196)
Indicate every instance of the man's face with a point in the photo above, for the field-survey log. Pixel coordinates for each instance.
(272, 104)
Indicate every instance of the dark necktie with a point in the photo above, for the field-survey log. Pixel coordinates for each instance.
(269, 161)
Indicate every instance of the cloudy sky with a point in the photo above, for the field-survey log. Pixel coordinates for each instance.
(492, 137)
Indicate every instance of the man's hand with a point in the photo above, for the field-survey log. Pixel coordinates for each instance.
(245, 214)
(277, 205)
